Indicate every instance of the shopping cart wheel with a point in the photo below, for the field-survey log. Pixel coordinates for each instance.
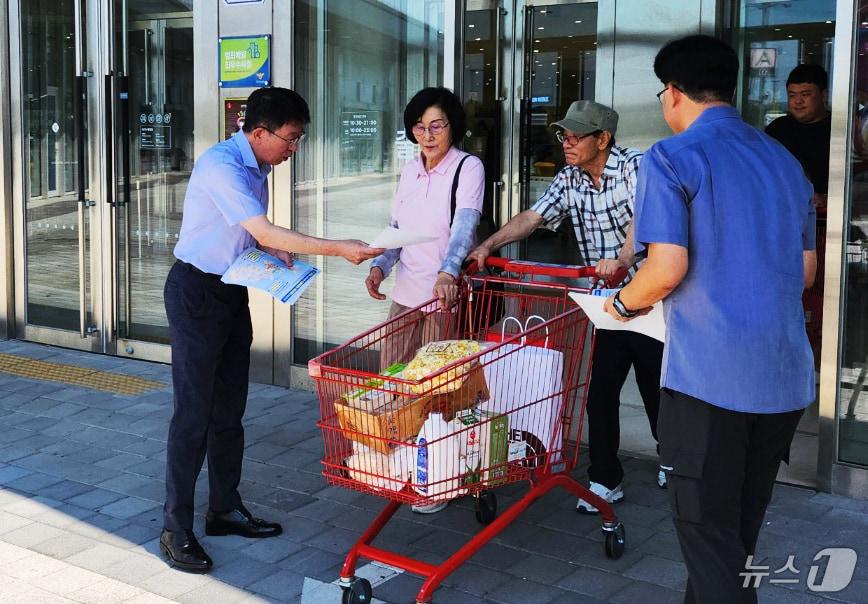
(486, 507)
(615, 539)
(358, 592)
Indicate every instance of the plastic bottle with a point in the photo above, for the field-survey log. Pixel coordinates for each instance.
(437, 467)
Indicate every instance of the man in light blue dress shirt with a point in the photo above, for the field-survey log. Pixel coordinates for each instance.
(209, 321)
(725, 214)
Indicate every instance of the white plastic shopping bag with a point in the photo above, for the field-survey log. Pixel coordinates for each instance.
(526, 382)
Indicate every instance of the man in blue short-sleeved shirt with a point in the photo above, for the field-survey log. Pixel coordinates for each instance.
(725, 215)
(209, 321)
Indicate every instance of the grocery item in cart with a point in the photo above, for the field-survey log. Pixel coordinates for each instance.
(385, 414)
(483, 444)
(381, 471)
(437, 467)
(526, 382)
(432, 357)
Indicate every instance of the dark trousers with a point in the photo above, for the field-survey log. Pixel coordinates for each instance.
(614, 353)
(721, 467)
(211, 334)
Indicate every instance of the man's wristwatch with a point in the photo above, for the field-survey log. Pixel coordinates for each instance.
(621, 309)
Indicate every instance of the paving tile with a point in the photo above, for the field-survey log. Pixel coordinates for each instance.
(521, 590)
(213, 592)
(171, 583)
(95, 498)
(660, 571)
(543, 569)
(68, 579)
(283, 585)
(64, 546)
(128, 507)
(646, 592)
(30, 506)
(593, 582)
(476, 580)
(11, 522)
(100, 557)
(10, 474)
(33, 483)
(271, 550)
(107, 590)
(62, 516)
(31, 534)
(133, 569)
(315, 563)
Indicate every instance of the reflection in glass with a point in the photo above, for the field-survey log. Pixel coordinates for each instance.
(159, 148)
(357, 64)
(775, 37)
(853, 394)
(50, 135)
(560, 67)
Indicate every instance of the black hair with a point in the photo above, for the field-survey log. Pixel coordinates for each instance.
(809, 74)
(440, 97)
(704, 68)
(271, 108)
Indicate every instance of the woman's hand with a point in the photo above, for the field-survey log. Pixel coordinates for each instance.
(446, 290)
(375, 278)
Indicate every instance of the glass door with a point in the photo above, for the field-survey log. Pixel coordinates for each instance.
(105, 98)
(54, 235)
(559, 67)
(524, 62)
(153, 92)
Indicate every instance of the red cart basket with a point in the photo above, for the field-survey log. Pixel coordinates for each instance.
(508, 408)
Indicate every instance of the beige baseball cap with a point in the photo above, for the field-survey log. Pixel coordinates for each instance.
(584, 117)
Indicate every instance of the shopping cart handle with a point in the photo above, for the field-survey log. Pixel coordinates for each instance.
(526, 267)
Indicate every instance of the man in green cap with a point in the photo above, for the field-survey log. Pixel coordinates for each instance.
(596, 190)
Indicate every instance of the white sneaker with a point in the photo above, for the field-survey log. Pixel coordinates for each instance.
(431, 508)
(609, 495)
(661, 478)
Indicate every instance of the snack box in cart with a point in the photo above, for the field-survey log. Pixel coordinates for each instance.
(379, 415)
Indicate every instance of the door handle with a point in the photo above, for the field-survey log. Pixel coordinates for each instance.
(500, 13)
(126, 171)
(83, 202)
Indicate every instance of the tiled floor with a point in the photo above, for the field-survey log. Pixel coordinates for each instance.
(81, 491)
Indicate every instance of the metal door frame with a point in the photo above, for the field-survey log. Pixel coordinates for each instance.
(511, 86)
(92, 335)
(95, 32)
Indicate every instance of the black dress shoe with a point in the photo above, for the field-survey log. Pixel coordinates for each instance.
(239, 522)
(184, 552)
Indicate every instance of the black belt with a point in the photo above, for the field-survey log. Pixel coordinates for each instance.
(198, 271)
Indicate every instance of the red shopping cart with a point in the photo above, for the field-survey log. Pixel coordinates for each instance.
(508, 408)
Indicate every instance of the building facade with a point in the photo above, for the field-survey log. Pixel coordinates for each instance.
(105, 105)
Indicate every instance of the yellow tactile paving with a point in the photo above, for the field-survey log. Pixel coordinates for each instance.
(77, 376)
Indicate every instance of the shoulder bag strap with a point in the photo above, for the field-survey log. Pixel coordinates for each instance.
(454, 201)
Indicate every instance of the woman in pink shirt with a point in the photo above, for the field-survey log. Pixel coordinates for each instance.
(434, 119)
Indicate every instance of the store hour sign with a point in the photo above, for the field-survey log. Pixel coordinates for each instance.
(155, 137)
(245, 61)
(362, 125)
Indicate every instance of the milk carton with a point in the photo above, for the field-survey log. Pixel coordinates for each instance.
(483, 442)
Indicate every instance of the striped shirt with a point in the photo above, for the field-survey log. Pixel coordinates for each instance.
(600, 216)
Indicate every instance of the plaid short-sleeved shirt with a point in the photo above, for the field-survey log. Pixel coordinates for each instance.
(600, 216)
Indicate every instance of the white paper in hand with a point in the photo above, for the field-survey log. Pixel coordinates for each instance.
(652, 324)
(392, 238)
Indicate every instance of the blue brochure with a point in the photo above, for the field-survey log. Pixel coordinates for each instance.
(255, 268)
